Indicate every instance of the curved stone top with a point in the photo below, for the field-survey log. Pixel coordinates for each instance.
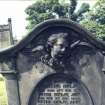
(10, 51)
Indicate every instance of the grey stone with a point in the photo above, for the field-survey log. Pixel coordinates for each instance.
(58, 63)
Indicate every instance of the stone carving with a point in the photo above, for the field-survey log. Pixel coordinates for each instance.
(57, 50)
(61, 91)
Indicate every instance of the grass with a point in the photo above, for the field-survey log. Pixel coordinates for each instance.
(3, 97)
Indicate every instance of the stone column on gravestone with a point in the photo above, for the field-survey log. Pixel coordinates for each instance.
(11, 80)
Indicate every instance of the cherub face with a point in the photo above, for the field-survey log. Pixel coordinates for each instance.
(59, 48)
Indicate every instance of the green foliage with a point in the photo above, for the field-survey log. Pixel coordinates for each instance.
(95, 20)
(99, 14)
(43, 10)
(77, 16)
(97, 29)
(48, 9)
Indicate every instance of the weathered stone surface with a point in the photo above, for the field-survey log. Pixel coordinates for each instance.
(57, 53)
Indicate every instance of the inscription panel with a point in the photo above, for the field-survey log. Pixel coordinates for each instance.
(59, 89)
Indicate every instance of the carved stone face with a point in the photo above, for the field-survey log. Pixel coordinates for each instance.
(59, 47)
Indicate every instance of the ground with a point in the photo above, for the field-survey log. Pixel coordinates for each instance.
(3, 97)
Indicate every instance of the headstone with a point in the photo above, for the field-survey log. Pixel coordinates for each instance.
(6, 38)
(58, 63)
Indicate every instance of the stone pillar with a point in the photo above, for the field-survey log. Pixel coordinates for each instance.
(8, 70)
(12, 88)
(10, 27)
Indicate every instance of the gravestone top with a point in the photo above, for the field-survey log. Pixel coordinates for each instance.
(54, 23)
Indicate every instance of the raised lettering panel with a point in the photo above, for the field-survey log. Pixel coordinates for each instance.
(60, 89)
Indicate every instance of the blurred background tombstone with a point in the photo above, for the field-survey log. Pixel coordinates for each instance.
(6, 37)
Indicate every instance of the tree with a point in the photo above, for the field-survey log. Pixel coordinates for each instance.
(97, 29)
(77, 16)
(43, 10)
(48, 9)
(72, 7)
(95, 20)
(99, 12)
